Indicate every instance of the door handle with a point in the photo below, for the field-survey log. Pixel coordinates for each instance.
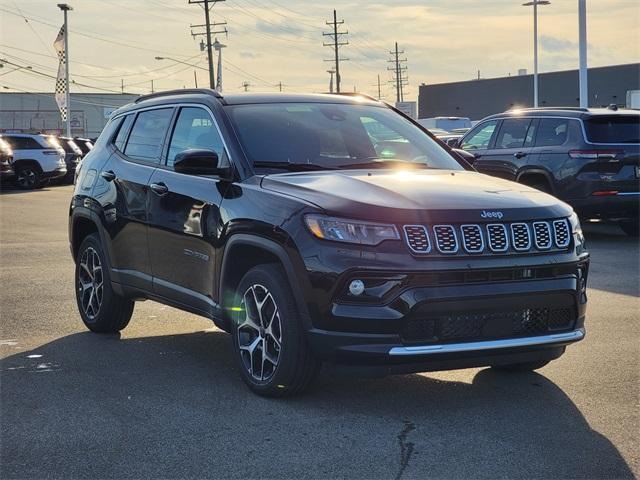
(519, 154)
(108, 175)
(159, 188)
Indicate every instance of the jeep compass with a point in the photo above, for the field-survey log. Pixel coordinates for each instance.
(321, 228)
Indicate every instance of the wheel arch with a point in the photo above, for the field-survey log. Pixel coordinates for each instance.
(245, 251)
(529, 173)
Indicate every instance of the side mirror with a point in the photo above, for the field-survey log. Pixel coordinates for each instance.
(469, 157)
(454, 143)
(198, 162)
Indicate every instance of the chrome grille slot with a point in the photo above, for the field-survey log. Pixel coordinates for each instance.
(561, 233)
(417, 238)
(446, 239)
(472, 238)
(520, 237)
(542, 235)
(497, 237)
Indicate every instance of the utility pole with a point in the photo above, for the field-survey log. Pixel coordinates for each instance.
(280, 86)
(65, 8)
(151, 85)
(582, 28)
(379, 90)
(195, 78)
(401, 79)
(122, 85)
(246, 86)
(207, 5)
(336, 44)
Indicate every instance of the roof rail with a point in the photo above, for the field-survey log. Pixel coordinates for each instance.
(577, 109)
(353, 94)
(181, 91)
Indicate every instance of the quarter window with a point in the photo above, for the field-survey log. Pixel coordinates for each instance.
(480, 139)
(194, 129)
(121, 138)
(147, 135)
(552, 132)
(513, 133)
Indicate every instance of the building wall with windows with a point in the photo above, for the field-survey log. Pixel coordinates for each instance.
(478, 98)
(38, 112)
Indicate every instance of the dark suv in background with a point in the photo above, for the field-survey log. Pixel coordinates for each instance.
(590, 158)
(321, 228)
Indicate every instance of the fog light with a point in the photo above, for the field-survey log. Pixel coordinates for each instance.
(356, 288)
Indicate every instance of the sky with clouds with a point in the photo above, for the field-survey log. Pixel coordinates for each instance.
(115, 42)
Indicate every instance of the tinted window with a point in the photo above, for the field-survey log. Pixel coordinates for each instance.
(23, 143)
(479, 139)
(121, 138)
(194, 129)
(512, 133)
(147, 134)
(613, 129)
(333, 135)
(552, 132)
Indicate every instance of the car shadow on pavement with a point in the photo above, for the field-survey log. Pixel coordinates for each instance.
(96, 406)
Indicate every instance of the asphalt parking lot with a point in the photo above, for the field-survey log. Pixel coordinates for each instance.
(164, 399)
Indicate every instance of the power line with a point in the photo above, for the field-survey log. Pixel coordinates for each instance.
(336, 44)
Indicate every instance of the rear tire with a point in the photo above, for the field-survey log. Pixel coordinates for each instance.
(28, 177)
(268, 338)
(101, 309)
(521, 367)
(631, 227)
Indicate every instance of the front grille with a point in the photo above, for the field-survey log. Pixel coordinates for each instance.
(472, 238)
(561, 233)
(497, 237)
(492, 238)
(542, 235)
(417, 238)
(487, 326)
(446, 239)
(520, 237)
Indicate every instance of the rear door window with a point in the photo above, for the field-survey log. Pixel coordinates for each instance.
(147, 135)
(513, 133)
(552, 132)
(613, 129)
(480, 139)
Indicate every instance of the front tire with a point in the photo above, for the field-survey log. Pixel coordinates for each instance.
(101, 309)
(269, 342)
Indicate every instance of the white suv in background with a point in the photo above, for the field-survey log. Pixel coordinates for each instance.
(36, 159)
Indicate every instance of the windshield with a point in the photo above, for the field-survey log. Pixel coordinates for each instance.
(323, 135)
(613, 129)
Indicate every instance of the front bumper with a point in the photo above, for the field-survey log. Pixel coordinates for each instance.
(60, 171)
(443, 327)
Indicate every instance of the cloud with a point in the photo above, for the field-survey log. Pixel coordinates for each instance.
(245, 54)
(555, 44)
(279, 28)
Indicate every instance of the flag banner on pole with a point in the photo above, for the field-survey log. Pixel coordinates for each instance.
(61, 94)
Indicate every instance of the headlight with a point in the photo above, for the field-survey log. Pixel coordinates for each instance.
(350, 231)
(578, 236)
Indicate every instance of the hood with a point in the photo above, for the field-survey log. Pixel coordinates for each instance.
(418, 195)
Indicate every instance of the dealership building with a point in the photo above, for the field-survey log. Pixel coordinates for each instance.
(38, 112)
(478, 98)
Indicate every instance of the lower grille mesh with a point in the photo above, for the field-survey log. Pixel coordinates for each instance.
(487, 326)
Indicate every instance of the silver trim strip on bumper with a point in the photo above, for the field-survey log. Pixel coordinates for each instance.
(568, 337)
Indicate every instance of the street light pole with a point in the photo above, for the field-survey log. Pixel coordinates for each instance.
(582, 27)
(535, 4)
(65, 8)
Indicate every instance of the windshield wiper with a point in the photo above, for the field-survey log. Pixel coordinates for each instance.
(292, 167)
(383, 163)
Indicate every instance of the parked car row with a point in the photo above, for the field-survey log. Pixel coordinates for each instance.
(33, 160)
